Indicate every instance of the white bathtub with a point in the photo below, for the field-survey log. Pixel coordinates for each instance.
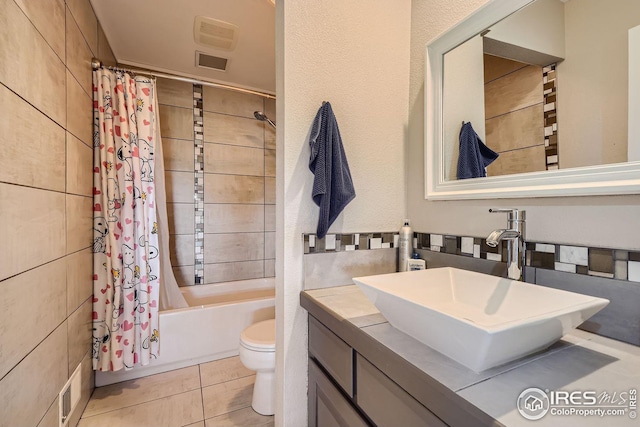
(208, 330)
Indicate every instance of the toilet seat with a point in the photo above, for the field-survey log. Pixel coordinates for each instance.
(260, 336)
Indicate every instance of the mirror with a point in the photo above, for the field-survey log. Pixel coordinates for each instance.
(544, 90)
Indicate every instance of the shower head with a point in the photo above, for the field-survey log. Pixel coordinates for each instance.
(263, 118)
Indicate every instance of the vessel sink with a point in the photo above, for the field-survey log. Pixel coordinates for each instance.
(478, 320)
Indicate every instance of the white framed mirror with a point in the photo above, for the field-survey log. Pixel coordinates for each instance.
(450, 103)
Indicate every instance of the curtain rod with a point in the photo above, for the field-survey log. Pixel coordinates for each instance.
(96, 63)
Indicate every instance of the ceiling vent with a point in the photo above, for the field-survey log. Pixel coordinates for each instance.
(210, 61)
(214, 33)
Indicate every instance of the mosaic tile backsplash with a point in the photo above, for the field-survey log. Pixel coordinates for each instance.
(601, 262)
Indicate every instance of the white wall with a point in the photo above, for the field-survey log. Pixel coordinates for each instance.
(607, 221)
(355, 55)
(463, 76)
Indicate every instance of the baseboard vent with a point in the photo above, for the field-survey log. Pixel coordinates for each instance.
(209, 61)
(70, 396)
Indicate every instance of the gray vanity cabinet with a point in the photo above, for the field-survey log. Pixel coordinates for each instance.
(346, 390)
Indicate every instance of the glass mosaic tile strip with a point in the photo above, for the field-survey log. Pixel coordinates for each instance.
(610, 263)
(550, 88)
(198, 193)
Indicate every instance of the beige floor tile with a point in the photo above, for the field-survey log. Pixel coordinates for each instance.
(233, 218)
(233, 247)
(227, 397)
(176, 122)
(246, 417)
(225, 129)
(143, 390)
(177, 410)
(85, 18)
(233, 189)
(233, 159)
(223, 370)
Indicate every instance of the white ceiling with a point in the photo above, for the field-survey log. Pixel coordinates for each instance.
(158, 34)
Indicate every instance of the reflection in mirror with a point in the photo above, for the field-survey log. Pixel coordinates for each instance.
(548, 87)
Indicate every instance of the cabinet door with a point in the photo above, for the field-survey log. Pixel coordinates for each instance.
(386, 403)
(327, 406)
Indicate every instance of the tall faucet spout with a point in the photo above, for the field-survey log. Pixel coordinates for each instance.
(497, 236)
(514, 234)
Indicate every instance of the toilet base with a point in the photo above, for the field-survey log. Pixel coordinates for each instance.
(263, 401)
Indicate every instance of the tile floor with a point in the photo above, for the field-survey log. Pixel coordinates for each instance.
(214, 394)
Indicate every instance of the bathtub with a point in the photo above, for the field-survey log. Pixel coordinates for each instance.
(209, 329)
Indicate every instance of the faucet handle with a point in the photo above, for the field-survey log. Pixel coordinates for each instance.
(513, 214)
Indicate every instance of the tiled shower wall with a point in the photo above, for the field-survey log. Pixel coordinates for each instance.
(45, 203)
(239, 183)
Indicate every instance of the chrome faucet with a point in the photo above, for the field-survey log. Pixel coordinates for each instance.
(514, 234)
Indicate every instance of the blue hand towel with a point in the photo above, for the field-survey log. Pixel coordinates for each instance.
(332, 184)
(474, 155)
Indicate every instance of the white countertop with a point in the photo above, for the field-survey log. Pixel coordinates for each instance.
(581, 361)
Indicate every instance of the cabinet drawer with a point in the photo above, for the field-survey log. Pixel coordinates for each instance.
(386, 403)
(332, 353)
(327, 406)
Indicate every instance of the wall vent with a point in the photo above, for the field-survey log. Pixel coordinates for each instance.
(70, 396)
(209, 61)
(215, 33)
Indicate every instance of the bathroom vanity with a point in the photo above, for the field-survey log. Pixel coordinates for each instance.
(363, 372)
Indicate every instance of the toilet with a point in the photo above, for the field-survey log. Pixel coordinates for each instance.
(258, 353)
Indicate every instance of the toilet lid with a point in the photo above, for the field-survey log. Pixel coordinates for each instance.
(261, 335)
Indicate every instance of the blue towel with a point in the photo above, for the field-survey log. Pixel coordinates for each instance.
(332, 184)
(474, 155)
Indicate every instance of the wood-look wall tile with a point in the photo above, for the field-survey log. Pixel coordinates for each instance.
(79, 167)
(177, 154)
(30, 142)
(270, 109)
(231, 271)
(234, 160)
(519, 161)
(175, 93)
(225, 129)
(270, 163)
(50, 419)
(32, 305)
(270, 191)
(79, 329)
(79, 111)
(78, 55)
(233, 247)
(269, 137)
(182, 249)
(179, 186)
(87, 22)
(79, 278)
(105, 54)
(496, 67)
(229, 102)
(518, 129)
(184, 275)
(231, 218)
(28, 390)
(79, 214)
(233, 189)
(517, 90)
(181, 218)
(269, 268)
(32, 228)
(48, 18)
(176, 122)
(270, 245)
(29, 66)
(269, 217)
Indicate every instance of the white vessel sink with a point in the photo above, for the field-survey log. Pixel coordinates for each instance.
(478, 320)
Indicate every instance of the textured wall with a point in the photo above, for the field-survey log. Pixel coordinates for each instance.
(45, 203)
(597, 221)
(353, 54)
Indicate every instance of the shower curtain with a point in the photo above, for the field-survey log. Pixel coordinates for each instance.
(128, 270)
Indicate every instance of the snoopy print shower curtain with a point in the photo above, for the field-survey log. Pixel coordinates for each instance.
(126, 262)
